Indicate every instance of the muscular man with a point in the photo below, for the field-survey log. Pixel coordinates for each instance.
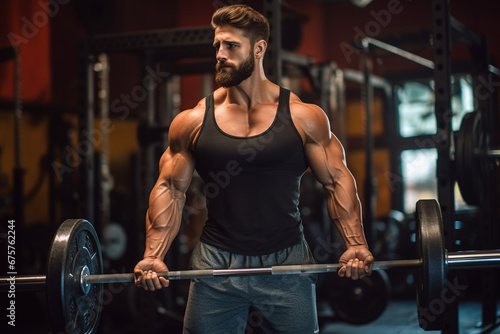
(251, 141)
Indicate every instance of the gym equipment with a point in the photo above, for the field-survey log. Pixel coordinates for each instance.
(74, 280)
(74, 254)
(473, 158)
(361, 301)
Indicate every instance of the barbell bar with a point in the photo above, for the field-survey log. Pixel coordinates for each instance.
(73, 283)
(454, 261)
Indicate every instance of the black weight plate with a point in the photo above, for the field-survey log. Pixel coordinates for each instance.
(360, 301)
(71, 310)
(469, 160)
(430, 278)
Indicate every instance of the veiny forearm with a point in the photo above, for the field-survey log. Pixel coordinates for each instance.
(163, 220)
(344, 209)
(326, 158)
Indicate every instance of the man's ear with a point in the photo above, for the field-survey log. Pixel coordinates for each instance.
(260, 48)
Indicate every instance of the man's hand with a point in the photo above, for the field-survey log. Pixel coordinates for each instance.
(357, 263)
(146, 277)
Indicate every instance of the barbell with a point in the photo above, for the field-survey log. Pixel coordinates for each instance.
(74, 279)
(473, 157)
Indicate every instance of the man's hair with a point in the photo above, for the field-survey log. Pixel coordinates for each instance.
(254, 25)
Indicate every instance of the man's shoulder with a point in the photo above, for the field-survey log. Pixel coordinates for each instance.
(302, 109)
(187, 123)
(309, 118)
(190, 117)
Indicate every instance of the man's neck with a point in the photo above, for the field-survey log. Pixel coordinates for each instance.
(257, 89)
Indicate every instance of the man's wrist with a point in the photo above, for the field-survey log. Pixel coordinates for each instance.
(365, 245)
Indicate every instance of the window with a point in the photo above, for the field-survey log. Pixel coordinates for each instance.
(419, 176)
(415, 105)
(415, 108)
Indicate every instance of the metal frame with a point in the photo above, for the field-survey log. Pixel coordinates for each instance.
(369, 82)
(370, 184)
(442, 89)
(151, 46)
(273, 63)
(487, 215)
(445, 27)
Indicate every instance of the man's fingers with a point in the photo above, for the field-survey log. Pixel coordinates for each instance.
(368, 269)
(355, 269)
(143, 280)
(139, 279)
(361, 270)
(341, 271)
(164, 282)
(348, 269)
(149, 281)
(156, 282)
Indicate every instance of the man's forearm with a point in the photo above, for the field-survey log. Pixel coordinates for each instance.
(344, 210)
(163, 220)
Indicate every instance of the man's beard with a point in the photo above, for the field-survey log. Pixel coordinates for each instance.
(235, 76)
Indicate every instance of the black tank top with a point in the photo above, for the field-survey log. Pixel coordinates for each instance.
(251, 184)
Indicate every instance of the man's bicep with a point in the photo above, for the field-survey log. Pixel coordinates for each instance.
(326, 160)
(177, 162)
(176, 170)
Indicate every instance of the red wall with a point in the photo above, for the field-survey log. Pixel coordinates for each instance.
(50, 57)
(26, 25)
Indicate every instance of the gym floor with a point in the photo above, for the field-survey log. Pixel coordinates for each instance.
(399, 318)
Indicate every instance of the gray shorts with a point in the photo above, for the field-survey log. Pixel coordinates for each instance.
(276, 304)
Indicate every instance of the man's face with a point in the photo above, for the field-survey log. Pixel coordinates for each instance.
(235, 59)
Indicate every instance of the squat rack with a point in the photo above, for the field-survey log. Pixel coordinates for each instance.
(445, 29)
